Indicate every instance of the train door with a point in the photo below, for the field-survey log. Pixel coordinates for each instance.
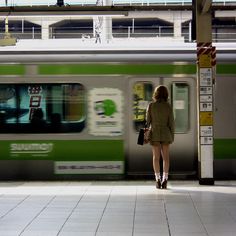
(139, 157)
(183, 152)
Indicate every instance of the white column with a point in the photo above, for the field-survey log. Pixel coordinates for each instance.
(177, 25)
(107, 28)
(45, 23)
(45, 29)
(206, 77)
(107, 23)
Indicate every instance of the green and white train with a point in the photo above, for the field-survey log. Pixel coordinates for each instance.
(93, 103)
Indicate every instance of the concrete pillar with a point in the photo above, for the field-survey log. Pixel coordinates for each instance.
(205, 89)
(107, 23)
(107, 28)
(177, 24)
(45, 29)
(45, 23)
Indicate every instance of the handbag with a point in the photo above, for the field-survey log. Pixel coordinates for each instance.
(144, 136)
(141, 137)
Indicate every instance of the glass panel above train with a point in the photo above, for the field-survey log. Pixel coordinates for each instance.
(113, 2)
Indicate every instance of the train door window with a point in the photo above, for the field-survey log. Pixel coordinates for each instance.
(142, 95)
(42, 108)
(180, 103)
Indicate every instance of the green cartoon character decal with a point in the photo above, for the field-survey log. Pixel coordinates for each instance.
(105, 108)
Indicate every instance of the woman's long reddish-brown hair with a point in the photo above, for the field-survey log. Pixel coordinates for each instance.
(160, 93)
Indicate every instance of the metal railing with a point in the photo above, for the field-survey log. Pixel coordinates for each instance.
(220, 33)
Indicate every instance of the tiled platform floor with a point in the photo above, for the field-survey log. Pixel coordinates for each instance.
(112, 208)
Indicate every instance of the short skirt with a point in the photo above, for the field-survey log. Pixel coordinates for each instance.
(156, 143)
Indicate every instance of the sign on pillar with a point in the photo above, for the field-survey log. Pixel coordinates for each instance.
(206, 76)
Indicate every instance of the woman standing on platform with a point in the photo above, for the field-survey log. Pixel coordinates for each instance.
(160, 120)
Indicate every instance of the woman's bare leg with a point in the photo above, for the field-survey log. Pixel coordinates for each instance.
(156, 151)
(166, 159)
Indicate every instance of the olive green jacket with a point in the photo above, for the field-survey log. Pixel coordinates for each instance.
(160, 119)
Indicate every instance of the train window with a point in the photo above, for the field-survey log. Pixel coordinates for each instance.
(180, 103)
(7, 105)
(142, 95)
(41, 108)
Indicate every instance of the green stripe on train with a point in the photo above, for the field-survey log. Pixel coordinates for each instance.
(224, 148)
(117, 69)
(226, 69)
(87, 150)
(63, 150)
(131, 69)
(12, 69)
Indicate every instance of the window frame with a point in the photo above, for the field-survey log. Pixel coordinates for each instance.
(138, 125)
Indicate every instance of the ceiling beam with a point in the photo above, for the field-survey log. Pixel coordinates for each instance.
(100, 10)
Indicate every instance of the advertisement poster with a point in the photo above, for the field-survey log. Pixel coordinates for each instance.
(105, 112)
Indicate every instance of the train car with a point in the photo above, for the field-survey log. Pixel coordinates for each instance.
(75, 114)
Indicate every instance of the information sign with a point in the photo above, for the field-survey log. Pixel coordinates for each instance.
(205, 77)
(206, 106)
(205, 90)
(205, 98)
(206, 118)
(205, 60)
(206, 140)
(206, 131)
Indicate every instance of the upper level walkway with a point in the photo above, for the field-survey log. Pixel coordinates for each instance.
(131, 23)
(118, 208)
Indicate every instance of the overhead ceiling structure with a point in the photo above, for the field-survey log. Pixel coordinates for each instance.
(78, 10)
(97, 10)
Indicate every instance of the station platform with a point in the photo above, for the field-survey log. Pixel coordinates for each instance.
(117, 208)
